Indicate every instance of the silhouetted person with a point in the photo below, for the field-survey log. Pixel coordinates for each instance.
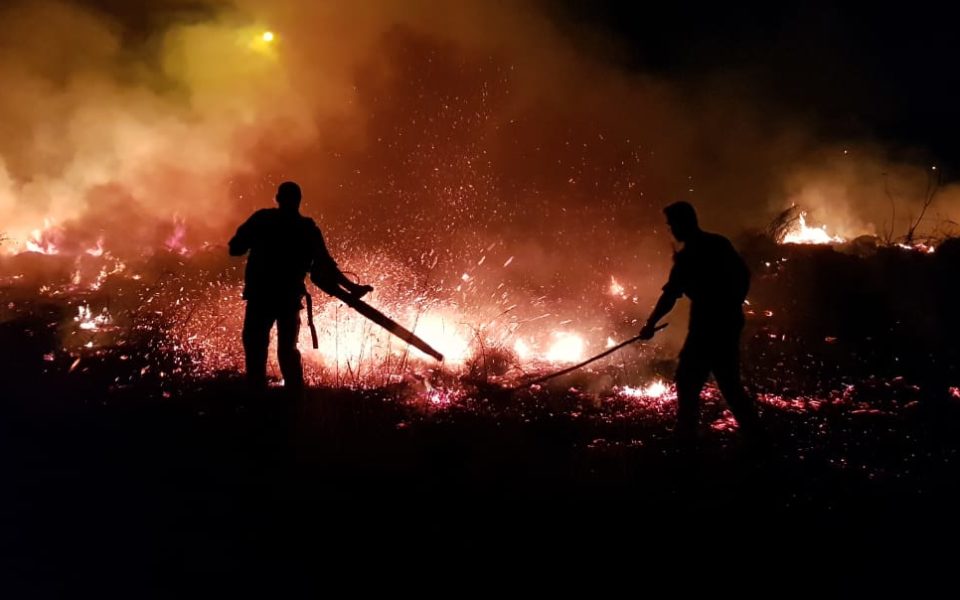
(943, 371)
(284, 246)
(710, 272)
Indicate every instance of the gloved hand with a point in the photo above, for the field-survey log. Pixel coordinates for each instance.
(362, 290)
(646, 333)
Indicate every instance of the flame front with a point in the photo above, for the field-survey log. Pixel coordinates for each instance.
(801, 233)
(566, 348)
(654, 390)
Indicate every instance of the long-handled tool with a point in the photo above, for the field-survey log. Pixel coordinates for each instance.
(379, 318)
(313, 328)
(580, 365)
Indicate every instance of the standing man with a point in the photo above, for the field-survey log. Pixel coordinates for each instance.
(284, 246)
(713, 275)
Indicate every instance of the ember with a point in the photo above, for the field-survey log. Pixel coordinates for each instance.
(656, 389)
(90, 322)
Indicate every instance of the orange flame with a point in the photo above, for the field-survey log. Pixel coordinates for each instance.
(567, 348)
(801, 233)
(616, 288)
(44, 241)
(88, 321)
(654, 390)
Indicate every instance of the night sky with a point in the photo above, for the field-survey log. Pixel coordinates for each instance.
(887, 73)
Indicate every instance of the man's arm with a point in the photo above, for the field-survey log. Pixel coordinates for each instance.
(325, 270)
(664, 305)
(242, 240)
(668, 299)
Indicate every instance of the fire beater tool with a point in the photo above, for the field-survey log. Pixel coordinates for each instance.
(579, 365)
(374, 315)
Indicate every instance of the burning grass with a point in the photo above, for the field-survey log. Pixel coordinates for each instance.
(821, 322)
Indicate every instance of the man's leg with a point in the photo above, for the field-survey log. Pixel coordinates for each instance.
(692, 372)
(288, 332)
(726, 369)
(256, 338)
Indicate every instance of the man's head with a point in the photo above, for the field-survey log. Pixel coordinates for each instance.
(288, 196)
(682, 220)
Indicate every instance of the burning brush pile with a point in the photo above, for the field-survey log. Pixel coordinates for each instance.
(852, 310)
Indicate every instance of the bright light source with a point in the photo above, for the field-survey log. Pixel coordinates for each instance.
(267, 36)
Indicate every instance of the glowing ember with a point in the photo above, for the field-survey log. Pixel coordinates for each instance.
(654, 390)
(88, 321)
(801, 233)
(102, 275)
(726, 422)
(616, 289)
(918, 247)
(441, 397)
(438, 397)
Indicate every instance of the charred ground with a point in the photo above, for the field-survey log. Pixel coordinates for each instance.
(126, 470)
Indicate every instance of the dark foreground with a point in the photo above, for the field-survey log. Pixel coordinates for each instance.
(206, 492)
